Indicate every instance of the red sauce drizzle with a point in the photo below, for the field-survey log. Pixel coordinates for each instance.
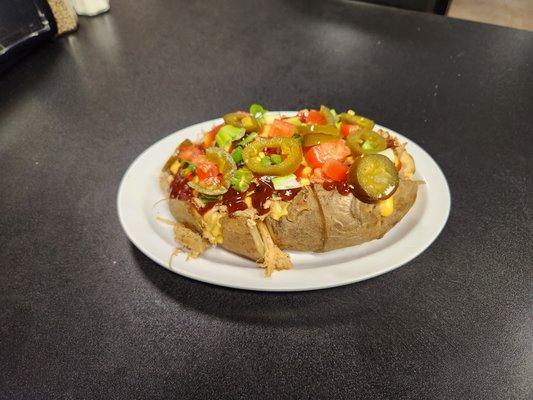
(342, 187)
(391, 144)
(204, 209)
(263, 191)
(179, 188)
(271, 150)
(234, 200)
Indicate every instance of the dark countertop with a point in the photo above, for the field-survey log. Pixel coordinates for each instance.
(86, 315)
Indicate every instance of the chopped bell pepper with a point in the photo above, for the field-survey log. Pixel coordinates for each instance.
(247, 139)
(236, 154)
(227, 134)
(257, 111)
(285, 182)
(241, 179)
(266, 161)
(328, 115)
(276, 159)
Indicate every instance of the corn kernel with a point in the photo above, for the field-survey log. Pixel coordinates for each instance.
(175, 167)
(305, 182)
(248, 201)
(307, 171)
(386, 207)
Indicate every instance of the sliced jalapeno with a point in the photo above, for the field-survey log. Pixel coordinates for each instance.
(373, 177)
(291, 152)
(364, 141)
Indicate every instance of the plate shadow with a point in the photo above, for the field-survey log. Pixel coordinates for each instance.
(341, 305)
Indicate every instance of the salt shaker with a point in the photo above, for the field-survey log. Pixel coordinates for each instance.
(90, 7)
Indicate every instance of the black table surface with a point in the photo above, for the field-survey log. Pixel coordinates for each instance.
(84, 314)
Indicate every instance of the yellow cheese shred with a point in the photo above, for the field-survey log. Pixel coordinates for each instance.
(386, 207)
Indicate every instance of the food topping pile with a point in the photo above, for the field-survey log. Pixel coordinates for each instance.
(258, 161)
(256, 156)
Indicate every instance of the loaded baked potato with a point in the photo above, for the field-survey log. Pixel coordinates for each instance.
(261, 183)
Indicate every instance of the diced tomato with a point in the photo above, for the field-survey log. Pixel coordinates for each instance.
(299, 171)
(206, 169)
(314, 117)
(346, 129)
(316, 156)
(209, 137)
(281, 128)
(335, 170)
(312, 156)
(189, 153)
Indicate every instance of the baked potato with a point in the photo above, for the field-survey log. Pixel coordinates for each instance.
(260, 184)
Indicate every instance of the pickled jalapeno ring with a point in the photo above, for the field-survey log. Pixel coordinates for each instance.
(313, 139)
(357, 120)
(365, 141)
(373, 178)
(289, 147)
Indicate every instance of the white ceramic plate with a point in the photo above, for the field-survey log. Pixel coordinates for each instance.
(139, 206)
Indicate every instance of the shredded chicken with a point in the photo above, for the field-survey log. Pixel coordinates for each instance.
(407, 169)
(191, 241)
(407, 164)
(274, 258)
(256, 236)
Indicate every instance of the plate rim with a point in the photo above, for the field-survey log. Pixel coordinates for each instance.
(262, 285)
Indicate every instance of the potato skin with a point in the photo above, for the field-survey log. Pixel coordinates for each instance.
(404, 198)
(238, 238)
(185, 214)
(303, 227)
(318, 220)
(235, 231)
(349, 222)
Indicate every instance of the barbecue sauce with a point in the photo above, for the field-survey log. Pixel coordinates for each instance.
(259, 192)
(179, 188)
(342, 187)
